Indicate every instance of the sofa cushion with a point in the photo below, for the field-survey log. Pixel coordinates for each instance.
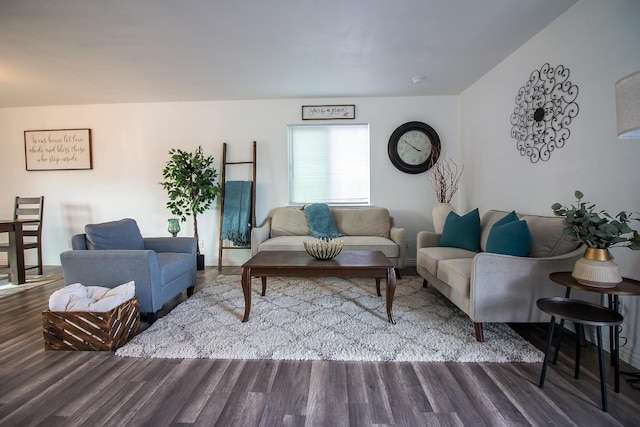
(374, 221)
(547, 236)
(509, 236)
(321, 222)
(372, 243)
(431, 256)
(462, 231)
(122, 234)
(457, 274)
(289, 221)
(173, 265)
(486, 223)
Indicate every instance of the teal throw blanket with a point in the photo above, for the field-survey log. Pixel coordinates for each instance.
(236, 223)
(321, 222)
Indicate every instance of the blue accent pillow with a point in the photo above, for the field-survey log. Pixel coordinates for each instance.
(122, 234)
(321, 221)
(462, 231)
(509, 236)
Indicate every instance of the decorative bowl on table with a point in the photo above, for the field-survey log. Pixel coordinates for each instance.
(323, 248)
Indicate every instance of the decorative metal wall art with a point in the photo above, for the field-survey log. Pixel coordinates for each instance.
(545, 107)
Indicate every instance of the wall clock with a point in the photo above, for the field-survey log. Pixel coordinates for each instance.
(414, 147)
(545, 107)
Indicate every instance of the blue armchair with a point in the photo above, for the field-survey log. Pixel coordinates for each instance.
(112, 253)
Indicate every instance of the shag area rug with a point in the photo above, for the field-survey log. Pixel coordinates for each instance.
(8, 288)
(325, 319)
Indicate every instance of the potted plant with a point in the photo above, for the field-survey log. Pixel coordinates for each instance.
(599, 231)
(444, 178)
(191, 183)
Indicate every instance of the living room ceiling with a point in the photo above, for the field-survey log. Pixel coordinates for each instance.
(91, 52)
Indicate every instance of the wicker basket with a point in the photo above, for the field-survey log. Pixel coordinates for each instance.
(82, 330)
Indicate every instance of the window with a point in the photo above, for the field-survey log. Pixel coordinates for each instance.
(329, 164)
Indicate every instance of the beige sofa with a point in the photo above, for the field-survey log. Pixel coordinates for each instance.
(491, 287)
(366, 228)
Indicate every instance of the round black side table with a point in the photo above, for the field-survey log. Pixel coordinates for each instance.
(580, 313)
(628, 287)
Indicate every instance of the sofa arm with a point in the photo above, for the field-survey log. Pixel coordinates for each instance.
(397, 234)
(259, 235)
(171, 244)
(427, 239)
(110, 268)
(505, 288)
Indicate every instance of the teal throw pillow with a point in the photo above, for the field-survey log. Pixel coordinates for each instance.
(510, 217)
(462, 231)
(509, 236)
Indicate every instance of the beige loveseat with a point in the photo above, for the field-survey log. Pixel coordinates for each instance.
(365, 228)
(492, 287)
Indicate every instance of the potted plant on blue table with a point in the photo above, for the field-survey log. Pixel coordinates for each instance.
(599, 231)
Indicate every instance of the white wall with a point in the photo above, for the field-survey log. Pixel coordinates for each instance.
(130, 145)
(599, 42)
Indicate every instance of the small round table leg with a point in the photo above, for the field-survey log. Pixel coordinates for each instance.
(546, 354)
(578, 327)
(603, 377)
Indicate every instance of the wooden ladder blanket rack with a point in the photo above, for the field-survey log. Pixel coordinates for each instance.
(221, 243)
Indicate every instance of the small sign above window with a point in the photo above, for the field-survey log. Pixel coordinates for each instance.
(328, 112)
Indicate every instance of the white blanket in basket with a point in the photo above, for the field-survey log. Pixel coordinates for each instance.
(77, 297)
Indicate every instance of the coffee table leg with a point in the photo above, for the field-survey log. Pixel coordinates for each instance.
(246, 290)
(378, 286)
(264, 285)
(391, 290)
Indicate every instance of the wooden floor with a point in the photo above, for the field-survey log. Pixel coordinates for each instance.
(92, 389)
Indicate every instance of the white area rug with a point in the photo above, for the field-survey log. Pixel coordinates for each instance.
(325, 319)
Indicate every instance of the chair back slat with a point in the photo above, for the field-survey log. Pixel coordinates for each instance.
(35, 212)
(29, 208)
(28, 200)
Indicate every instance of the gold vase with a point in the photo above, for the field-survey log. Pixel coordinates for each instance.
(597, 268)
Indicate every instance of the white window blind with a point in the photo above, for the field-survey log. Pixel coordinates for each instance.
(329, 164)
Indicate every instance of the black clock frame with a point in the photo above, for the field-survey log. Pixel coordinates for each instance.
(392, 147)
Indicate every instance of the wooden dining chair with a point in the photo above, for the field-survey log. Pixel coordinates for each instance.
(29, 208)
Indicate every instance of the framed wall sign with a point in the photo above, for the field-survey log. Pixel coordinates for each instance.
(328, 112)
(57, 149)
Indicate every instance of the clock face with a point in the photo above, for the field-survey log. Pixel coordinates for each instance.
(414, 147)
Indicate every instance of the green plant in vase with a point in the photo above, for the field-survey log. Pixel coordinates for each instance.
(191, 183)
(599, 231)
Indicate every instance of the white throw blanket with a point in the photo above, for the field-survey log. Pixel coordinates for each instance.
(77, 297)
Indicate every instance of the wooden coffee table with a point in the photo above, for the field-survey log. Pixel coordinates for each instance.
(300, 264)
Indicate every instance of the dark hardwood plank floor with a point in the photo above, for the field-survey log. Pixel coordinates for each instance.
(59, 388)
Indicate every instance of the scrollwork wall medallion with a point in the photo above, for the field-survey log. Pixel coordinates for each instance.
(545, 107)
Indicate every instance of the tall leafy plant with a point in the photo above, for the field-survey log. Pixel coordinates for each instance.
(191, 183)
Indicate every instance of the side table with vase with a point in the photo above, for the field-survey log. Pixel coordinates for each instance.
(627, 287)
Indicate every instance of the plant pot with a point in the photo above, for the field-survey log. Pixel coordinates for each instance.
(439, 214)
(596, 268)
(200, 262)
